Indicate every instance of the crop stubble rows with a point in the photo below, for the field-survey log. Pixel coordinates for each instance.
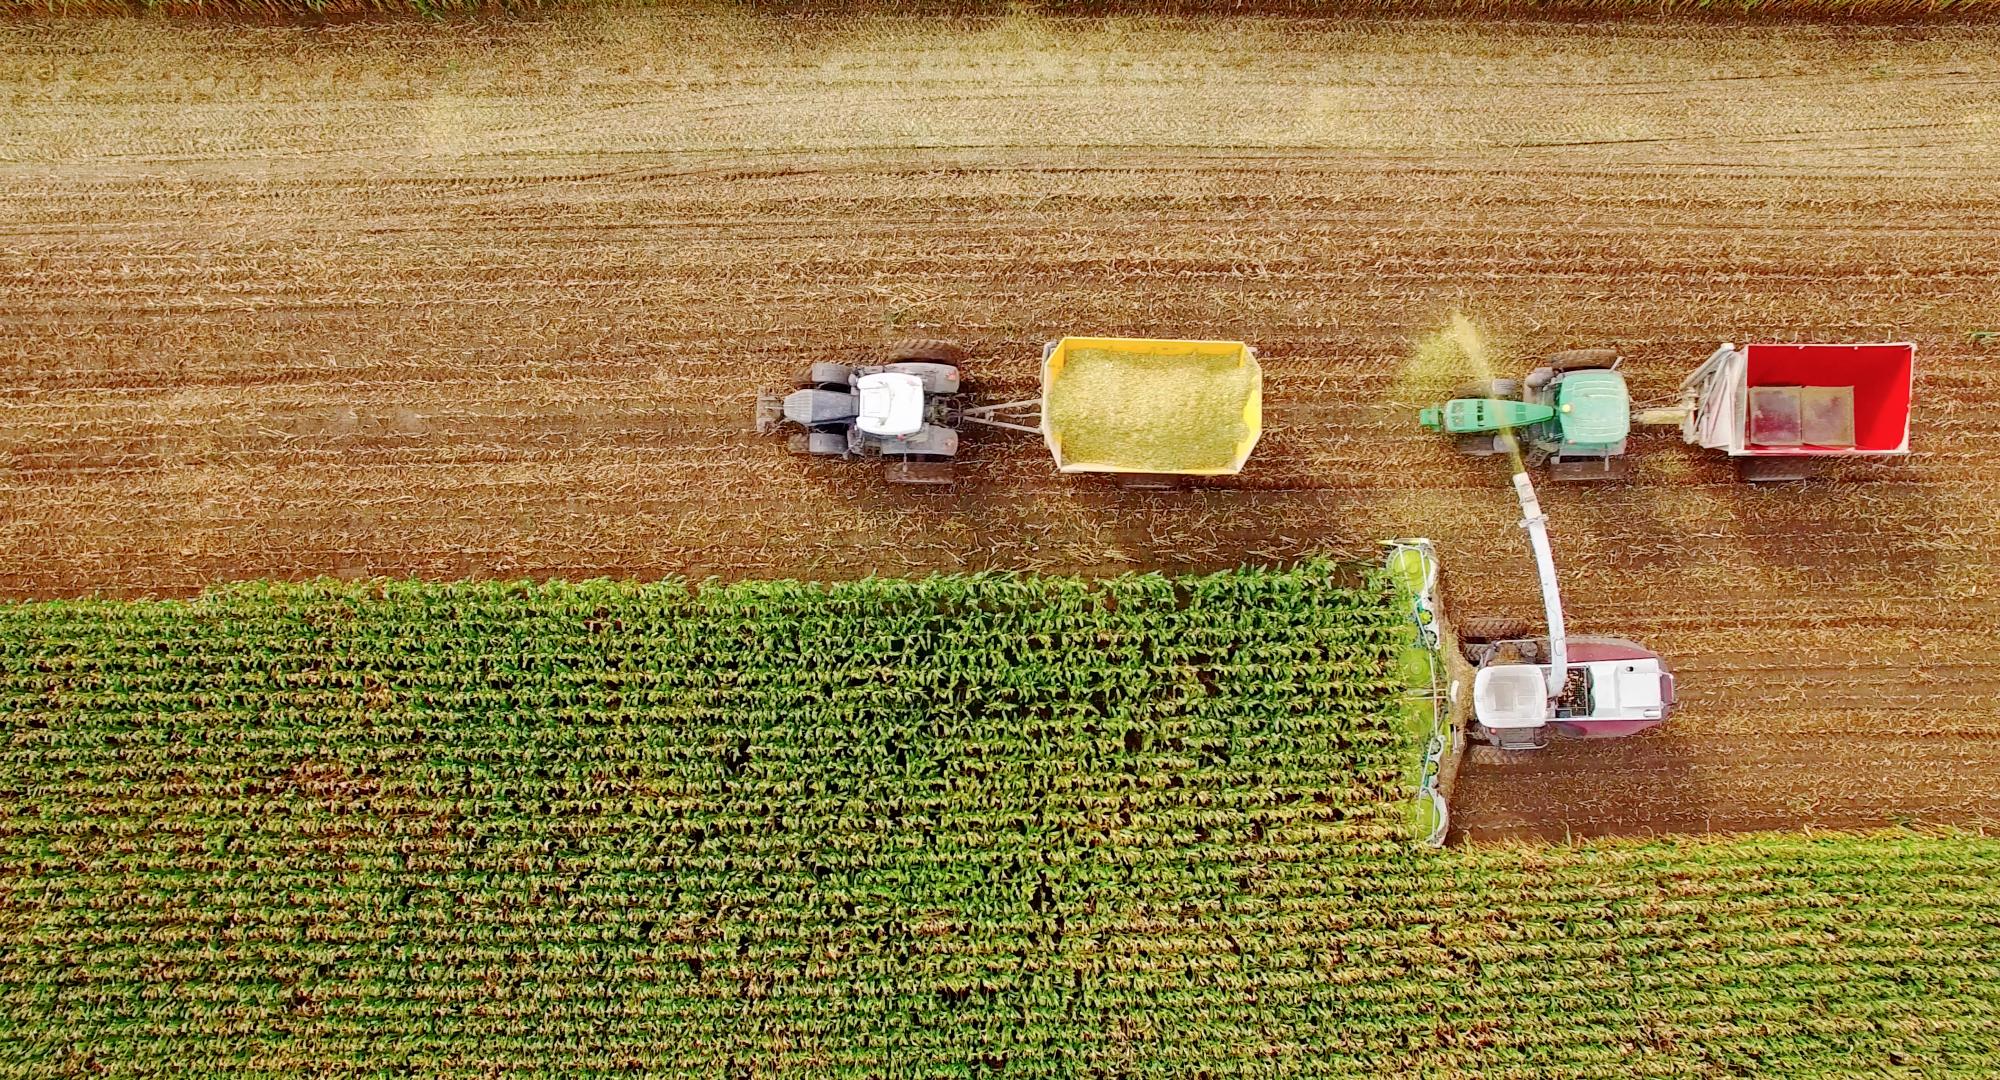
(490, 301)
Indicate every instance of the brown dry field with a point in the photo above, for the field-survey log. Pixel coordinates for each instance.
(493, 300)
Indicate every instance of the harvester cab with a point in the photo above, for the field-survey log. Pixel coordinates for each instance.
(1611, 687)
(1572, 413)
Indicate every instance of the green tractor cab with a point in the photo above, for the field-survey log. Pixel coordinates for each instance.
(1573, 414)
(1593, 409)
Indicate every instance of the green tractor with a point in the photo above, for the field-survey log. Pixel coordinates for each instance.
(1572, 414)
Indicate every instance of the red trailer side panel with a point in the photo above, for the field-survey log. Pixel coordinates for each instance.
(1880, 375)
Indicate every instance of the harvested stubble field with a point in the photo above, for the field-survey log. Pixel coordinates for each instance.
(492, 299)
(951, 827)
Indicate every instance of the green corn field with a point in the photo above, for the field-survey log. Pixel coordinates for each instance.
(962, 826)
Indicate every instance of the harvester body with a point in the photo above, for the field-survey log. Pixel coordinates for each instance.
(1528, 690)
(1612, 688)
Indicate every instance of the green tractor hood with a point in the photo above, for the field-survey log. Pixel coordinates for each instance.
(1468, 416)
(1593, 408)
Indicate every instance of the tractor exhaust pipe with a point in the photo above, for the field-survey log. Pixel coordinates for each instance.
(1537, 524)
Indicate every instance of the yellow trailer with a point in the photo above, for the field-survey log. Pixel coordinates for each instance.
(1123, 405)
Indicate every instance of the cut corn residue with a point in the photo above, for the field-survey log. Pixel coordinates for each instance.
(1150, 412)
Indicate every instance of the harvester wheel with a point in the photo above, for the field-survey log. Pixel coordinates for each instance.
(1488, 756)
(1504, 389)
(1583, 359)
(1481, 629)
(931, 349)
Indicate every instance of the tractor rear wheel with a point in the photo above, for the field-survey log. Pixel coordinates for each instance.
(1504, 389)
(917, 470)
(1483, 629)
(828, 376)
(1590, 470)
(931, 349)
(1583, 359)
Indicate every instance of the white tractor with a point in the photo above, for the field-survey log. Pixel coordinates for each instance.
(905, 411)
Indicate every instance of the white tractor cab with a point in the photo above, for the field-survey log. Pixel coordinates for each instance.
(1528, 690)
(889, 404)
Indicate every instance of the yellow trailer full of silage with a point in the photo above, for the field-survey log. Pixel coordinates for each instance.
(1145, 405)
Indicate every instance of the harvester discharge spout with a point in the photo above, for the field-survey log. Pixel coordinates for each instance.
(1537, 525)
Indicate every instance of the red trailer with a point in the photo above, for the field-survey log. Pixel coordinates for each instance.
(1780, 410)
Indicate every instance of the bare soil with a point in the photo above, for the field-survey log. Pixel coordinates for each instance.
(494, 299)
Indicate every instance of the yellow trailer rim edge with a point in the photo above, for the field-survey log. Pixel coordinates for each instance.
(1246, 356)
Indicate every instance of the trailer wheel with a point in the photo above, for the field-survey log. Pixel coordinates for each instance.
(1484, 629)
(1772, 469)
(1583, 359)
(931, 349)
(1147, 481)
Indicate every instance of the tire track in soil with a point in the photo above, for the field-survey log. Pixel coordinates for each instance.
(241, 343)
